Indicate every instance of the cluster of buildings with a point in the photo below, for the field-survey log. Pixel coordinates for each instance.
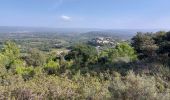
(100, 41)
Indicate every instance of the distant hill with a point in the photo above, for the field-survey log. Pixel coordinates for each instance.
(123, 34)
(113, 34)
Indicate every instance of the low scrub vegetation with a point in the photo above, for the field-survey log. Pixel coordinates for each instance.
(139, 70)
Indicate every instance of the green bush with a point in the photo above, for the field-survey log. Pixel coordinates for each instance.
(82, 54)
(122, 52)
(35, 58)
(26, 72)
(51, 67)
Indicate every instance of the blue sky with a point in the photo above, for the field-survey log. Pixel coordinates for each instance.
(111, 14)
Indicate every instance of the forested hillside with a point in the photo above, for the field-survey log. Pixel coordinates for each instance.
(135, 70)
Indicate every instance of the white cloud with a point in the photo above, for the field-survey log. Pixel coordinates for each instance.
(65, 18)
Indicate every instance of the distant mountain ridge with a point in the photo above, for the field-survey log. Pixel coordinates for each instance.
(15, 29)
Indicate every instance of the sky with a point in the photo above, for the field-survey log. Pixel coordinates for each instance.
(106, 14)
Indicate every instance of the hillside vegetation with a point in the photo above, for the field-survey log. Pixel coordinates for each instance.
(136, 70)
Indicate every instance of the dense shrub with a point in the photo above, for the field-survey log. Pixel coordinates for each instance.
(122, 51)
(82, 54)
(85, 87)
(51, 67)
(53, 87)
(134, 87)
(35, 58)
(26, 72)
